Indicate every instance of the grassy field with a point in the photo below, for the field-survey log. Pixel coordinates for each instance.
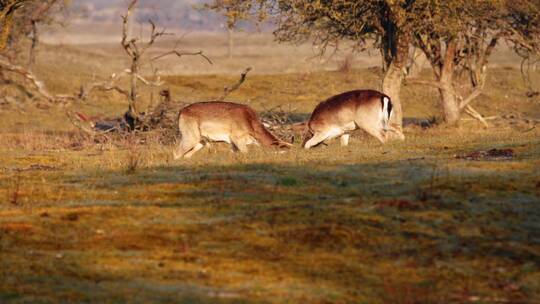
(407, 222)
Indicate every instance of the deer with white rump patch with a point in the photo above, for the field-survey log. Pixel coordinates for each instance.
(368, 110)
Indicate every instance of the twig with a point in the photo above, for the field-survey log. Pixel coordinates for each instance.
(90, 130)
(479, 87)
(125, 26)
(108, 85)
(180, 54)
(229, 89)
(157, 83)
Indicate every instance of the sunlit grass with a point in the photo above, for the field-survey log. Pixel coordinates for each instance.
(365, 223)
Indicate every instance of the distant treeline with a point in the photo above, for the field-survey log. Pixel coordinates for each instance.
(173, 14)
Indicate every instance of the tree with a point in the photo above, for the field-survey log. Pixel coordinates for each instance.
(458, 38)
(136, 48)
(234, 11)
(28, 21)
(524, 34)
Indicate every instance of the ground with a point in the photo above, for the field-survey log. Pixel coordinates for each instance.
(84, 220)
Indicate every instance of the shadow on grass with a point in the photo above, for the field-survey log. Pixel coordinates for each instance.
(389, 232)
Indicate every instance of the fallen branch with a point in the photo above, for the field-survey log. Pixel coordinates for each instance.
(39, 85)
(229, 89)
(474, 114)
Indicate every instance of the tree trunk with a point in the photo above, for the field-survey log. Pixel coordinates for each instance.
(33, 47)
(392, 87)
(132, 115)
(450, 103)
(230, 37)
(416, 63)
(133, 94)
(396, 58)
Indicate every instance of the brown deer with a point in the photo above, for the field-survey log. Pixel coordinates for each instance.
(368, 110)
(228, 122)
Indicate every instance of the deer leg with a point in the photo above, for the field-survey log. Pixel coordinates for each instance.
(344, 140)
(178, 152)
(184, 147)
(181, 149)
(240, 143)
(315, 140)
(191, 138)
(190, 141)
(377, 133)
(197, 147)
(374, 129)
(395, 133)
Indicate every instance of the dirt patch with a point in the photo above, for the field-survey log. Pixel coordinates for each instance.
(401, 205)
(493, 154)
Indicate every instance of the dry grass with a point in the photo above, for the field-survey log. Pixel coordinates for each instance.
(93, 220)
(359, 224)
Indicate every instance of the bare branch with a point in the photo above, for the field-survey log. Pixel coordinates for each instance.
(156, 83)
(466, 101)
(180, 54)
(474, 114)
(87, 126)
(154, 35)
(104, 86)
(29, 76)
(125, 28)
(478, 88)
(518, 38)
(229, 89)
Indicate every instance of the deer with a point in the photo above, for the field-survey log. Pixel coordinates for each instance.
(368, 110)
(220, 121)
